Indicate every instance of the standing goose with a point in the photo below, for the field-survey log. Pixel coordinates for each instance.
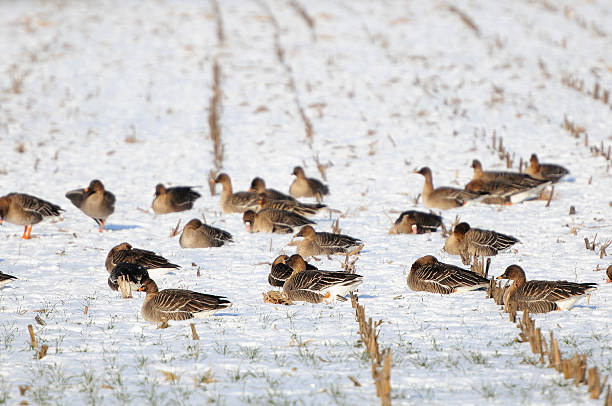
(415, 222)
(307, 187)
(273, 221)
(173, 199)
(124, 252)
(6, 278)
(321, 243)
(551, 172)
(468, 242)
(444, 197)
(26, 210)
(231, 202)
(199, 235)
(429, 275)
(178, 304)
(303, 209)
(282, 268)
(94, 201)
(133, 273)
(542, 296)
(259, 186)
(316, 286)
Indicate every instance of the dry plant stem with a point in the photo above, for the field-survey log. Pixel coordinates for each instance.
(214, 113)
(194, 333)
(218, 22)
(466, 19)
(33, 342)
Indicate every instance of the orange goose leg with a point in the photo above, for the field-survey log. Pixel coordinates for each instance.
(101, 225)
(25, 233)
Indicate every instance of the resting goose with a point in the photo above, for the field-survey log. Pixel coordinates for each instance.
(303, 209)
(429, 275)
(94, 201)
(178, 304)
(26, 210)
(199, 235)
(542, 296)
(444, 197)
(307, 187)
(316, 286)
(321, 243)
(273, 221)
(468, 242)
(133, 273)
(124, 252)
(6, 279)
(282, 268)
(415, 222)
(259, 186)
(551, 172)
(231, 202)
(173, 199)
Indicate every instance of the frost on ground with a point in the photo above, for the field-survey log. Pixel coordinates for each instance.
(120, 90)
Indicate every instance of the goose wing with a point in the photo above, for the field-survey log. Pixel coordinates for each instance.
(215, 233)
(286, 218)
(279, 274)
(340, 242)
(77, 197)
(180, 304)
(183, 195)
(36, 204)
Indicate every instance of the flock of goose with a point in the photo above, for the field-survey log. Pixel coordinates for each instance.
(268, 210)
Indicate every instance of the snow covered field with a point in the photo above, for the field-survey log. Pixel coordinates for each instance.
(120, 91)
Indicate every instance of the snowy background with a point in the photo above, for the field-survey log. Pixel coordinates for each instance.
(120, 91)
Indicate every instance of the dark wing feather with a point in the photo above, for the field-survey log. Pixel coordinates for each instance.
(279, 274)
(442, 278)
(317, 281)
(177, 304)
(340, 242)
(214, 233)
(35, 204)
(76, 197)
(286, 218)
(183, 195)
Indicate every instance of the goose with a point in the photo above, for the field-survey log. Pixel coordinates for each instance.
(124, 252)
(173, 199)
(542, 296)
(468, 242)
(307, 187)
(231, 202)
(415, 222)
(199, 235)
(429, 275)
(282, 268)
(316, 286)
(444, 197)
(6, 278)
(273, 221)
(303, 209)
(94, 201)
(178, 304)
(321, 243)
(516, 186)
(551, 172)
(26, 210)
(133, 273)
(259, 186)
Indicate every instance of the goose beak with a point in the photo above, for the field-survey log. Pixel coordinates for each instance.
(414, 229)
(248, 227)
(141, 289)
(86, 190)
(499, 277)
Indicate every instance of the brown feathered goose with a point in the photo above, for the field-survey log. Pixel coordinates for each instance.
(316, 286)
(133, 273)
(94, 201)
(468, 242)
(231, 202)
(516, 186)
(199, 235)
(26, 210)
(416, 222)
(303, 209)
(307, 187)
(273, 221)
(282, 268)
(178, 304)
(542, 296)
(429, 275)
(173, 199)
(609, 274)
(444, 197)
(124, 252)
(321, 243)
(259, 186)
(551, 172)
(6, 278)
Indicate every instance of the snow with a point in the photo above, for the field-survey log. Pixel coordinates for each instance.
(388, 87)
